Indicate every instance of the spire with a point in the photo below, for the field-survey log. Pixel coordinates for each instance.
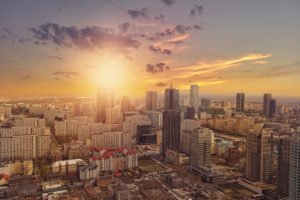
(171, 86)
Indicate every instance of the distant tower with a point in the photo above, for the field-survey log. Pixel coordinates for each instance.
(171, 121)
(105, 99)
(272, 107)
(194, 96)
(294, 189)
(240, 102)
(151, 100)
(259, 156)
(266, 105)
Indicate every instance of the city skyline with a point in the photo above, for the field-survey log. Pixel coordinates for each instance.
(54, 48)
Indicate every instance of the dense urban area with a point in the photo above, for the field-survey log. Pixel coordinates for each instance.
(164, 146)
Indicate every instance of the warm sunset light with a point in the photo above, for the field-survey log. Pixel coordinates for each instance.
(150, 99)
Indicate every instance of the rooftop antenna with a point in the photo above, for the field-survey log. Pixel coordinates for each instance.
(171, 84)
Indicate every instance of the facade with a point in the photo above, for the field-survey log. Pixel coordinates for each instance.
(200, 148)
(151, 100)
(146, 135)
(240, 102)
(187, 127)
(283, 166)
(171, 121)
(105, 99)
(266, 105)
(294, 190)
(194, 96)
(272, 107)
(19, 143)
(259, 156)
(205, 103)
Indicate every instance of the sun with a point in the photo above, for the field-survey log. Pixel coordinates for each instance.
(110, 74)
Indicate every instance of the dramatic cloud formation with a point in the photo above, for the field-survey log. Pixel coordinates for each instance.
(196, 10)
(139, 14)
(159, 67)
(157, 49)
(168, 2)
(88, 38)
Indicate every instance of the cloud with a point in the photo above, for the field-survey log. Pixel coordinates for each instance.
(87, 38)
(168, 2)
(173, 31)
(157, 49)
(55, 57)
(138, 14)
(65, 74)
(161, 84)
(124, 27)
(159, 67)
(160, 18)
(196, 10)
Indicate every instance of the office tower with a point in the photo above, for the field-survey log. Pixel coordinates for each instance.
(146, 135)
(283, 166)
(171, 99)
(171, 121)
(205, 103)
(171, 131)
(105, 99)
(200, 148)
(259, 156)
(266, 105)
(194, 96)
(272, 107)
(151, 100)
(187, 127)
(113, 115)
(190, 113)
(125, 104)
(240, 102)
(294, 190)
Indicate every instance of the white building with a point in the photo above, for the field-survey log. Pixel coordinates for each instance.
(200, 148)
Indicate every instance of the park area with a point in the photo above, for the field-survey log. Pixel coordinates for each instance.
(148, 165)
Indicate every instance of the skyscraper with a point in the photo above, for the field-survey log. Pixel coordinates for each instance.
(294, 190)
(259, 156)
(171, 121)
(171, 99)
(151, 100)
(272, 107)
(283, 165)
(200, 148)
(240, 102)
(266, 105)
(194, 96)
(105, 99)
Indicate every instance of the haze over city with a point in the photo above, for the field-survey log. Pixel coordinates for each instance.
(150, 99)
(72, 47)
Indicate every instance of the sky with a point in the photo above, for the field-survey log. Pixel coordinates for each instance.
(72, 47)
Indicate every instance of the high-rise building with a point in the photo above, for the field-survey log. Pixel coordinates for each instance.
(126, 105)
(283, 165)
(194, 96)
(151, 100)
(200, 148)
(205, 103)
(266, 105)
(294, 189)
(171, 99)
(105, 99)
(171, 121)
(259, 156)
(240, 102)
(272, 107)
